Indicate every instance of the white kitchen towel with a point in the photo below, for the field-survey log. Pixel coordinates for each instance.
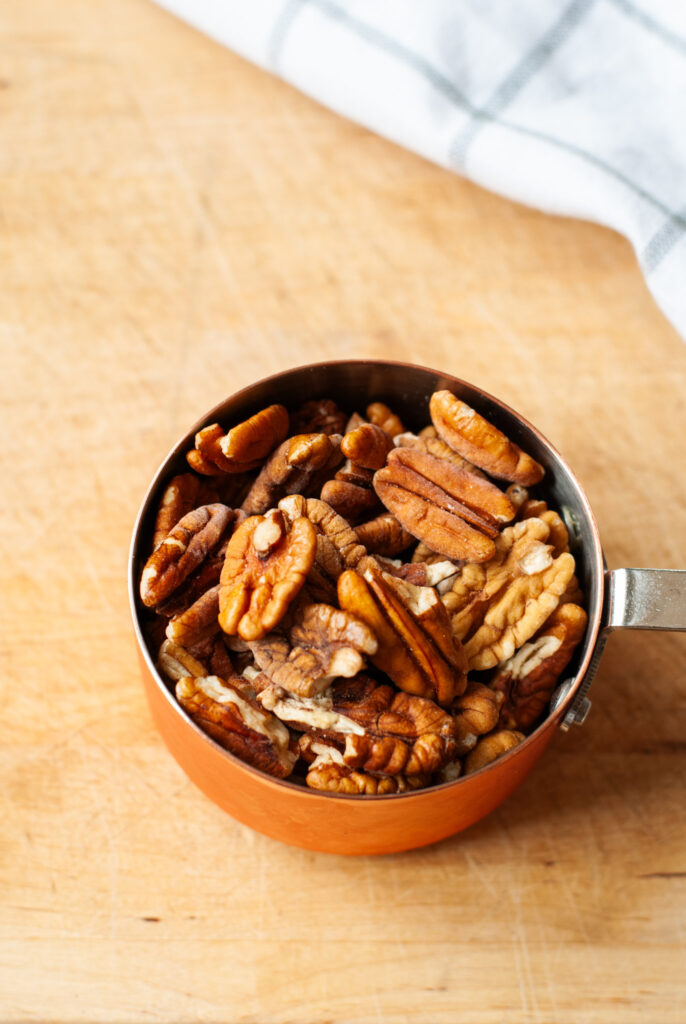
(577, 107)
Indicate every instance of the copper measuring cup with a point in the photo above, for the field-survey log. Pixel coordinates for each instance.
(616, 599)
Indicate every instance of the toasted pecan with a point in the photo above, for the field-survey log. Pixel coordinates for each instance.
(265, 568)
(479, 441)
(223, 709)
(184, 548)
(527, 679)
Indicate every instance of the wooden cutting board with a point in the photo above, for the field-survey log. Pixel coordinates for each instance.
(175, 224)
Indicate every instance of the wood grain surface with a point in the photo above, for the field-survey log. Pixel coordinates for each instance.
(176, 223)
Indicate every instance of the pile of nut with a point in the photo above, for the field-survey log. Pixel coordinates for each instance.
(345, 602)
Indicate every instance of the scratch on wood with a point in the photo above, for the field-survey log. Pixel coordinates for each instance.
(664, 874)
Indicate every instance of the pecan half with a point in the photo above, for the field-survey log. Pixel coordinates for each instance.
(517, 613)
(412, 737)
(437, 574)
(428, 442)
(338, 546)
(416, 648)
(328, 772)
(490, 748)
(175, 662)
(290, 469)
(198, 623)
(182, 494)
(264, 569)
(384, 535)
(236, 721)
(200, 464)
(475, 713)
(367, 446)
(452, 511)
(559, 535)
(322, 644)
(182, 551)
(527, 679)
(383, 417)
(351, 500)
(197, 584)
(485, 505)
(478, 440)
(345, 706)
(206, 576)
(208, 444)
(520, 550)
(245, 445)
(318, 416)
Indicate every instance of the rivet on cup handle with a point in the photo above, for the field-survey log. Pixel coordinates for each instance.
(634, 599)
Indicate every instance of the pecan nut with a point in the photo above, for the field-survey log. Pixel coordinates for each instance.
(244, 446)
(415, 646)
(381, 416)
(318, 416)
(428, 442)
(375, 728)
(182, 494)
(412, 737)
(323, 643)
(329, 773)
(518, 613)
(349, 498)
(490, 748)
(338, 546)
(175, 662)
(479, 441)
(526, 680)
(384, 535)
(197, 584)
(182, 551)
(367, 446)
(475, 713)
(205, 577)
(208, 445)
(291, 469)
(520, 550)
(197, 461)
(454, 512)
(559, 535)
(345, 706)
(198, 623)
(224, 710)
(264, 569)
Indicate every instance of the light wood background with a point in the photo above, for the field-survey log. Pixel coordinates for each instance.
(175, 224)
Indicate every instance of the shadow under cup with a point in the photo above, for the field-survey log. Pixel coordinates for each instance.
(340, 823)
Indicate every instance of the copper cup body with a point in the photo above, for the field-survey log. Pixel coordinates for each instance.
(354, 824)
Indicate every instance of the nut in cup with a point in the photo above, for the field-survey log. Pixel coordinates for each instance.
(390, 822)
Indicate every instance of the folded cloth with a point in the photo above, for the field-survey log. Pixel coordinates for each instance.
(575, 107)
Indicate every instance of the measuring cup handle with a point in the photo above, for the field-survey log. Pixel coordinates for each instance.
(645, 599)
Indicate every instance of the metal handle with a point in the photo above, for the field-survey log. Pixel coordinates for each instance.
(645, 599)
(634, 599)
